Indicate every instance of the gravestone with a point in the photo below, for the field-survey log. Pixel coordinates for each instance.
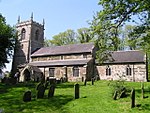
(92, 81)
(85, 81)
(82, 79)
(115, 95)
(27, 96)
(76, 90)
(123, 93)
(132, 98)
(41, 91)
(51, 91)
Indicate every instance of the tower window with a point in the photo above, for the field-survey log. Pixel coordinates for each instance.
(23, 34)
(36, 34)
(128, 70)
(108, 71)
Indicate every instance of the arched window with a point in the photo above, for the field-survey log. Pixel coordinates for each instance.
(108, 71)
(128, 70)
(23, 34)
(36, 34)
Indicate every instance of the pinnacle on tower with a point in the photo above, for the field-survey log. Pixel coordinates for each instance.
(18, 19)
(32, 16)
(43, 22)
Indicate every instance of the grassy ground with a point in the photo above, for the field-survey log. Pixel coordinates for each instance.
(95, 98)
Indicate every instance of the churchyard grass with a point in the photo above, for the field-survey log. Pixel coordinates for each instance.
(95, 98)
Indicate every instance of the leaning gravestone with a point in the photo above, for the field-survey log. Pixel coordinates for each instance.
(76, 91)
(123, 93)
(27, 96)
(51, 91)
(41, 91)
(115, 95)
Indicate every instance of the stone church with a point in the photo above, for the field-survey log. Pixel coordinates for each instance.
(75, 62)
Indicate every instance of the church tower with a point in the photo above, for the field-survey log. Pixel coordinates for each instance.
(30, 37)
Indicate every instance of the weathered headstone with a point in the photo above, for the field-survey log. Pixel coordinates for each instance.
(92, 81)
(41, 91)
(133, 98)
(115, 95)
(51, 91)
(76, 90)
(85, 82)
(82, 79)
(27, 96)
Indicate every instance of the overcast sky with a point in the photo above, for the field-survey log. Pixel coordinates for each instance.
(59, 15)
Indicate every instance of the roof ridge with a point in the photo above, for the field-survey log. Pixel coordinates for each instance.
(127, 50)
(70, 45)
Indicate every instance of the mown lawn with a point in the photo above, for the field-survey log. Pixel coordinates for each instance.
(95, 98)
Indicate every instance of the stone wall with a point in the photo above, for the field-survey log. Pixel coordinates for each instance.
(62, 57)
(138, 72)
(62, 72)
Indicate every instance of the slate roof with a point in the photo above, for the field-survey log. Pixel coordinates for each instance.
(62, 50)
(132, 56)
(60, 63)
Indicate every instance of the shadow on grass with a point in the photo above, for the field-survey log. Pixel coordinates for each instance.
(4, 87)
(145, 107)
(54, 104)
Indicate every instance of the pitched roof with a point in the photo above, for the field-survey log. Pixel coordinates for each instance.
(66, 49)
(60, 63)
(132, 56)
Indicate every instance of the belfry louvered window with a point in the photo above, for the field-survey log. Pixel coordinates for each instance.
(23, 34)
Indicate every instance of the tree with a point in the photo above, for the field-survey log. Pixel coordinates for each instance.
(114, 15)
(63, 38)
(7, 42)
(132, 41)
(84, 35)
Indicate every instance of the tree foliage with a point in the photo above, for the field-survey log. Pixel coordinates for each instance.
(83, 35)
(63, 38)
(6, 42)
(115, 14)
